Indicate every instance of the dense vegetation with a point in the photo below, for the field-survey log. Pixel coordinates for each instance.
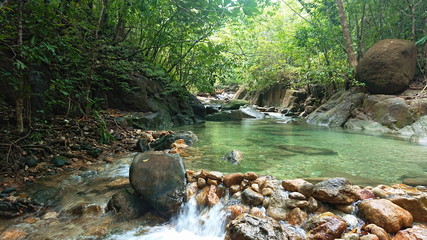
(81, 45)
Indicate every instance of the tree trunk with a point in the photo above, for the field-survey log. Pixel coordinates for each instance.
(352, 61)
(20, 95)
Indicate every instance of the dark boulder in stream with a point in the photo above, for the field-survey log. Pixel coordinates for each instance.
(159, 178)
(127, 204)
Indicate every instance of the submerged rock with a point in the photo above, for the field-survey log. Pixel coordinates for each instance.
(385, 214)
(160, 179)
(248, 227)
(233, 157)
(307, 150)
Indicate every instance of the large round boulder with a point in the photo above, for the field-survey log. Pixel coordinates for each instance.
(160, 179)
(388, 66)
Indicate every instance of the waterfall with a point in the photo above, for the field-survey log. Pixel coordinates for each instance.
(193, 222)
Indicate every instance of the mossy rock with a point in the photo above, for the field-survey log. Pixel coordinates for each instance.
(235, 104)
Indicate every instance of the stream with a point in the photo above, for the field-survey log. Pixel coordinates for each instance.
(278, 147)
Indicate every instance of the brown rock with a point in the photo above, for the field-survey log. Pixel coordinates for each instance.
(276, 205)
(202, 196)
(244, 184)
(297, 195)
(306, 189)
(251, 197)
(257, 212)
(221, 190)
(378, 231)
(336, 191)
(388, 66)
(296, 216)
(233, 179)
(345, 208)
(261, 181)
(255, 187)
(324, 226)
(385, 214)
(236, 210)
(250, 176)
(212, 182)
(13, 234)
(416, 205)
(234, 189)
(369, 237)
(415, 233)
(313, 205)
(267, 191)
(213, 199)
(201, 183)
(292, 185)
(214, 175)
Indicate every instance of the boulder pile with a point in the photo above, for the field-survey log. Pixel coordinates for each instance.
(261, 207)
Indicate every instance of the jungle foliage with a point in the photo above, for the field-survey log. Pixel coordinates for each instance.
(81, 45)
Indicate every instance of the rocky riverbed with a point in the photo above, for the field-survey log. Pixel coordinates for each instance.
(100, 202)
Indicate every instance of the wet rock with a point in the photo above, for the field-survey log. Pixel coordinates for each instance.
(313, 205)
(378, 231)
(166, 141)
(292, 185)
(50, 215)
(233, 179)
(127, 205)
(213, 198)
(160, 179)
(350, 236)
(385, 214)
(416, 205)
(142, 145)
(251, 197)
(59, 161)
(248, 227)
(212, 182)
(415, 233)
(292, 233)
(191, 190)
(388, 66)
(202, 196)
(236, 210)
(8, 190)
(233, 157)
(255, 187)
(257, 212)
(324, 226)
(262, 183)
(378, 192)
(233, 115)
(48, 196)
(235, 188)
(345, 208)
(296, 216)
(368, 126)
(13, 234)
(335, 190)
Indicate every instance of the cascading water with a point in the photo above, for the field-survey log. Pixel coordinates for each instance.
(193, 222)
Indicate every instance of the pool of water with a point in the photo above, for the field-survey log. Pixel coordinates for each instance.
(294, 149)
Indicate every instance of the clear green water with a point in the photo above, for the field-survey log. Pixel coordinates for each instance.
(299, 150)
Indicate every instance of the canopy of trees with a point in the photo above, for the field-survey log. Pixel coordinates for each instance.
(80, 45)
